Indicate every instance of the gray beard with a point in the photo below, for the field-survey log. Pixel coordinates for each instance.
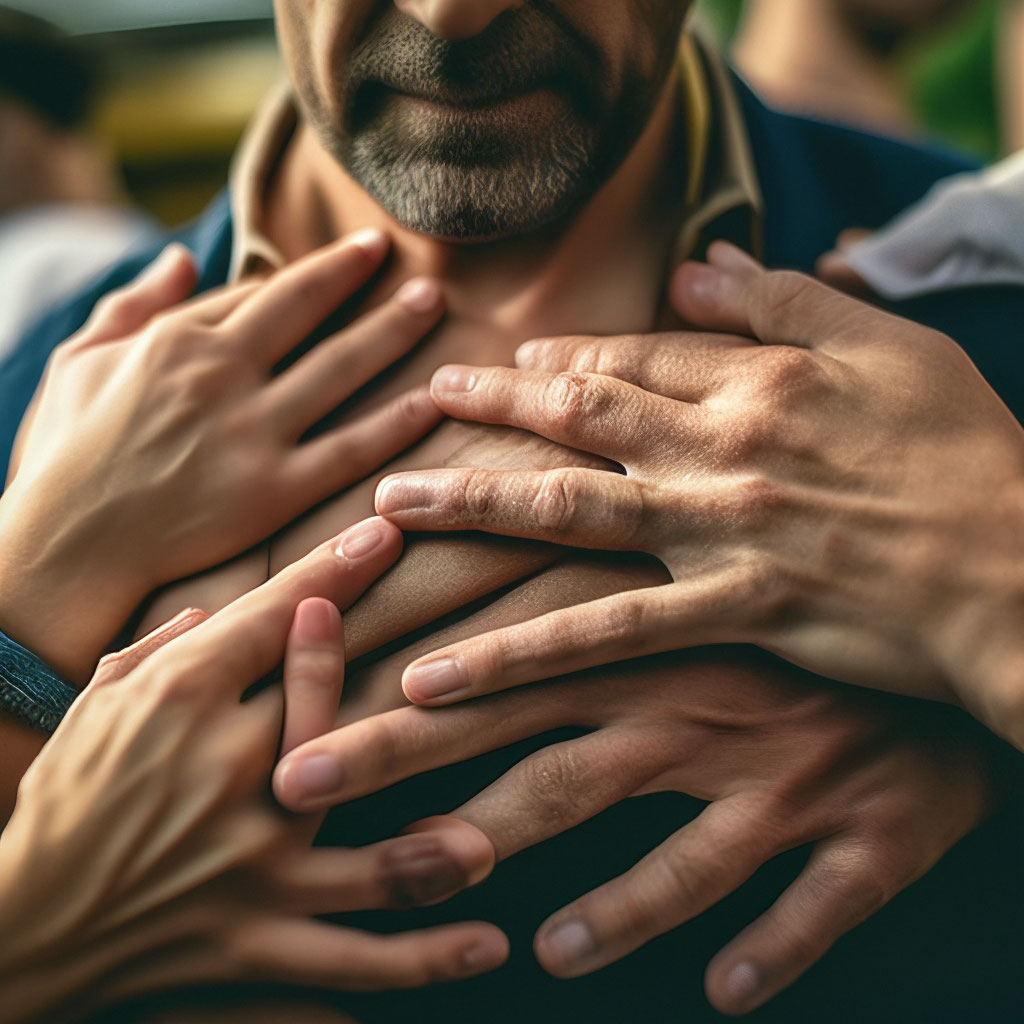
(454, 189)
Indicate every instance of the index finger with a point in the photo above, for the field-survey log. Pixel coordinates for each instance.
(246, 640)
(298, 299)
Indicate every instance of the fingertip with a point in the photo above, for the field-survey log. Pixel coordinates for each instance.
(695, 291)
(397, 493)
(833, 269)
(305, 781)
(422, 296)
(317, 621)
(734, 985)
(468, 846)
(452, 381)
(372, 241)
(375, 537)
(435, 681)
(175, 266)
(732, 259)
(489, 951)
(565, 947)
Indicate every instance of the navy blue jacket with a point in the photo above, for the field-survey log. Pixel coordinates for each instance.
(947, 950)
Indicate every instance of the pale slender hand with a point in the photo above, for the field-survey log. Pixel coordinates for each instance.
(848, 494)
(881, 787)
(164, 440)
(145, 852)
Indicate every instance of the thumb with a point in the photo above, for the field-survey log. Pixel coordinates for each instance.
(169, 279)
(733, 293)
(715, 296)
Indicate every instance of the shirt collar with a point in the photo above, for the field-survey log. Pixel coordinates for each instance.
(723, 195)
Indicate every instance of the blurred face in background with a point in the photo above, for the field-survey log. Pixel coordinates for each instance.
(479, 119)
(896, 20)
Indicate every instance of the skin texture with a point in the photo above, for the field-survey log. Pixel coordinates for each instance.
(785, 759)
(117, 479)
(615, 288)
(773, 480)
(149, 395)
(205, 880)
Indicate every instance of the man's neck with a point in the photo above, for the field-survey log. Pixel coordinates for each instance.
(601, 272)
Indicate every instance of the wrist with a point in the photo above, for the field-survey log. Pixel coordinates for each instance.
(64, 611)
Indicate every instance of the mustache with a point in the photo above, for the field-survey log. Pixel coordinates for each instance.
(522, 49)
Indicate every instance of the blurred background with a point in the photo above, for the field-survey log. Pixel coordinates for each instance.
(179, 78)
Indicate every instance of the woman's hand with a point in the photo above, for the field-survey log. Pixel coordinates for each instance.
(164, 440)
(848, 494)
(145, 851)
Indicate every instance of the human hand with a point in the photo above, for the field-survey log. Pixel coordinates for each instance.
(849, 495)
(441, 574)
(878, 786)
(145, 853)
(163, 440)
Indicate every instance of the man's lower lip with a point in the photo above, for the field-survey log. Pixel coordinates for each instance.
(534, 99)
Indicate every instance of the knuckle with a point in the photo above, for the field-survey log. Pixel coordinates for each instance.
(755, 501)
(555, 505)
(783, 370)
(478, 494)
(575, 397)
(747, 434)
(626, 625)
(554, 781)
(382, 750)
(855, 883)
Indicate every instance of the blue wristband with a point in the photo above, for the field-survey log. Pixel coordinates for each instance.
(30, 690)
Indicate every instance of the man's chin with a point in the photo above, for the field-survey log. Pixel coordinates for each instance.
(473, 208)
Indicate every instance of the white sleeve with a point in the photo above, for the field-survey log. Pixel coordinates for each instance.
(969, 230)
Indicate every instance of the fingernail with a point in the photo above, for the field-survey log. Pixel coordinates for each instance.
(399, 494)
(419, 296)
(572, 942)
(483, 956)
(420, 880)
(742, 984)
(454, 378)
(372, 241)
(433, 680)
(361, 539)
(316, 621)
(730, 257)
(310, 777)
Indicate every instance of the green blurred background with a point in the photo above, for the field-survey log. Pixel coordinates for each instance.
(951, 75)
